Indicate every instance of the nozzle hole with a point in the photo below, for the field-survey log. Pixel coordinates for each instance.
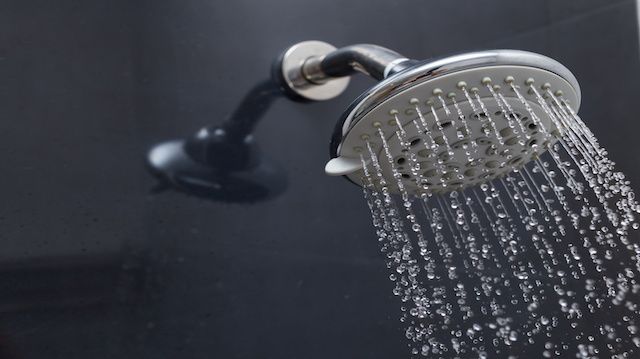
(516, 160)
(430, 173)
(425, 153)
(492, 164)
(511, 141)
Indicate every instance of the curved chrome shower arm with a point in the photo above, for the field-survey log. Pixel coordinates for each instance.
(373, 60)
(315, 70)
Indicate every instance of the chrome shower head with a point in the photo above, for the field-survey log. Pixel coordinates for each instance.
(447, 124)
(468, 254)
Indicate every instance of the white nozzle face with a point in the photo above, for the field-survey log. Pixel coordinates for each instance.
(457, 130)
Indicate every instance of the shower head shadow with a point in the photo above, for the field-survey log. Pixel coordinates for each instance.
(223, 162)
(445, 124)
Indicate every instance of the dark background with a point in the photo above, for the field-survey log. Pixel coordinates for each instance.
(94, 264)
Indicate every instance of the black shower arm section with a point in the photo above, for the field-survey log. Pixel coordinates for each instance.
(233, 137)
(248, 112)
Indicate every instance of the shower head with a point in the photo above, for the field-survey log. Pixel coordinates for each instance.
(441, 124)
(438, 132)
(468, 254)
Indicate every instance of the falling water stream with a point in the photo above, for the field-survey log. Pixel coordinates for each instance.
(535, 264)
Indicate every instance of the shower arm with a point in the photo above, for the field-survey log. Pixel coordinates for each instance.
(234, 136)
(318, 68)
(373, 60)
(317, 71)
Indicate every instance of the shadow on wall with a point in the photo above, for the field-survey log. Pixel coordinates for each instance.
(223, 162)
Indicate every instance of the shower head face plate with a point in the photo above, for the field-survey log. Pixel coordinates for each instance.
(482, 144)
